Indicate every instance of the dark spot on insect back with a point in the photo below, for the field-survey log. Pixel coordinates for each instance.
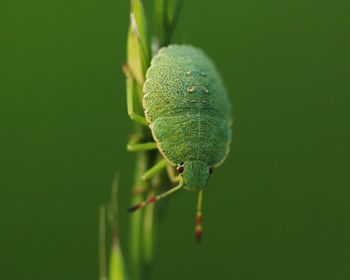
(190, 89)
(196, 72)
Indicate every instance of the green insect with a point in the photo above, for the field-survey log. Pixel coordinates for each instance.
(188, 111)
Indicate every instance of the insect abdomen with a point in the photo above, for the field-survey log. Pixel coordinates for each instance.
(186, 106)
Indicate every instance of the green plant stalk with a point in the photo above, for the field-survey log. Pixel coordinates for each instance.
(142, 223)
(139, 190)
(148, 239)
(102, 244)
(116, 261)
(167, 13)
(135, 264)
(148, 229)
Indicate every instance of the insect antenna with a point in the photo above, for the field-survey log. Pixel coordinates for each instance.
(199, 228)
(155, 198)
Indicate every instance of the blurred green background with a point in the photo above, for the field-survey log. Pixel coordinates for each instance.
(277, 209)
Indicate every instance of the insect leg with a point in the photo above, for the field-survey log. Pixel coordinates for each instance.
(154, 170)
(156, 198)
(171, 173)
(199, 228)
(130, 92)
(137, 147)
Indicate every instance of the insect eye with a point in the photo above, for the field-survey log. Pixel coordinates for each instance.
(180, 169)
(210, 169)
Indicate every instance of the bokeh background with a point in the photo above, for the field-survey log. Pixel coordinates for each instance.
(277, 209)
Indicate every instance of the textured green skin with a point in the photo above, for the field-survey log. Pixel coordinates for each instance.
(188, 111)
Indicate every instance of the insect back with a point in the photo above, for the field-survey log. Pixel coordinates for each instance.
(187, 107)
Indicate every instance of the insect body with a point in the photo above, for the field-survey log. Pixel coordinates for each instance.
(188, 111)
